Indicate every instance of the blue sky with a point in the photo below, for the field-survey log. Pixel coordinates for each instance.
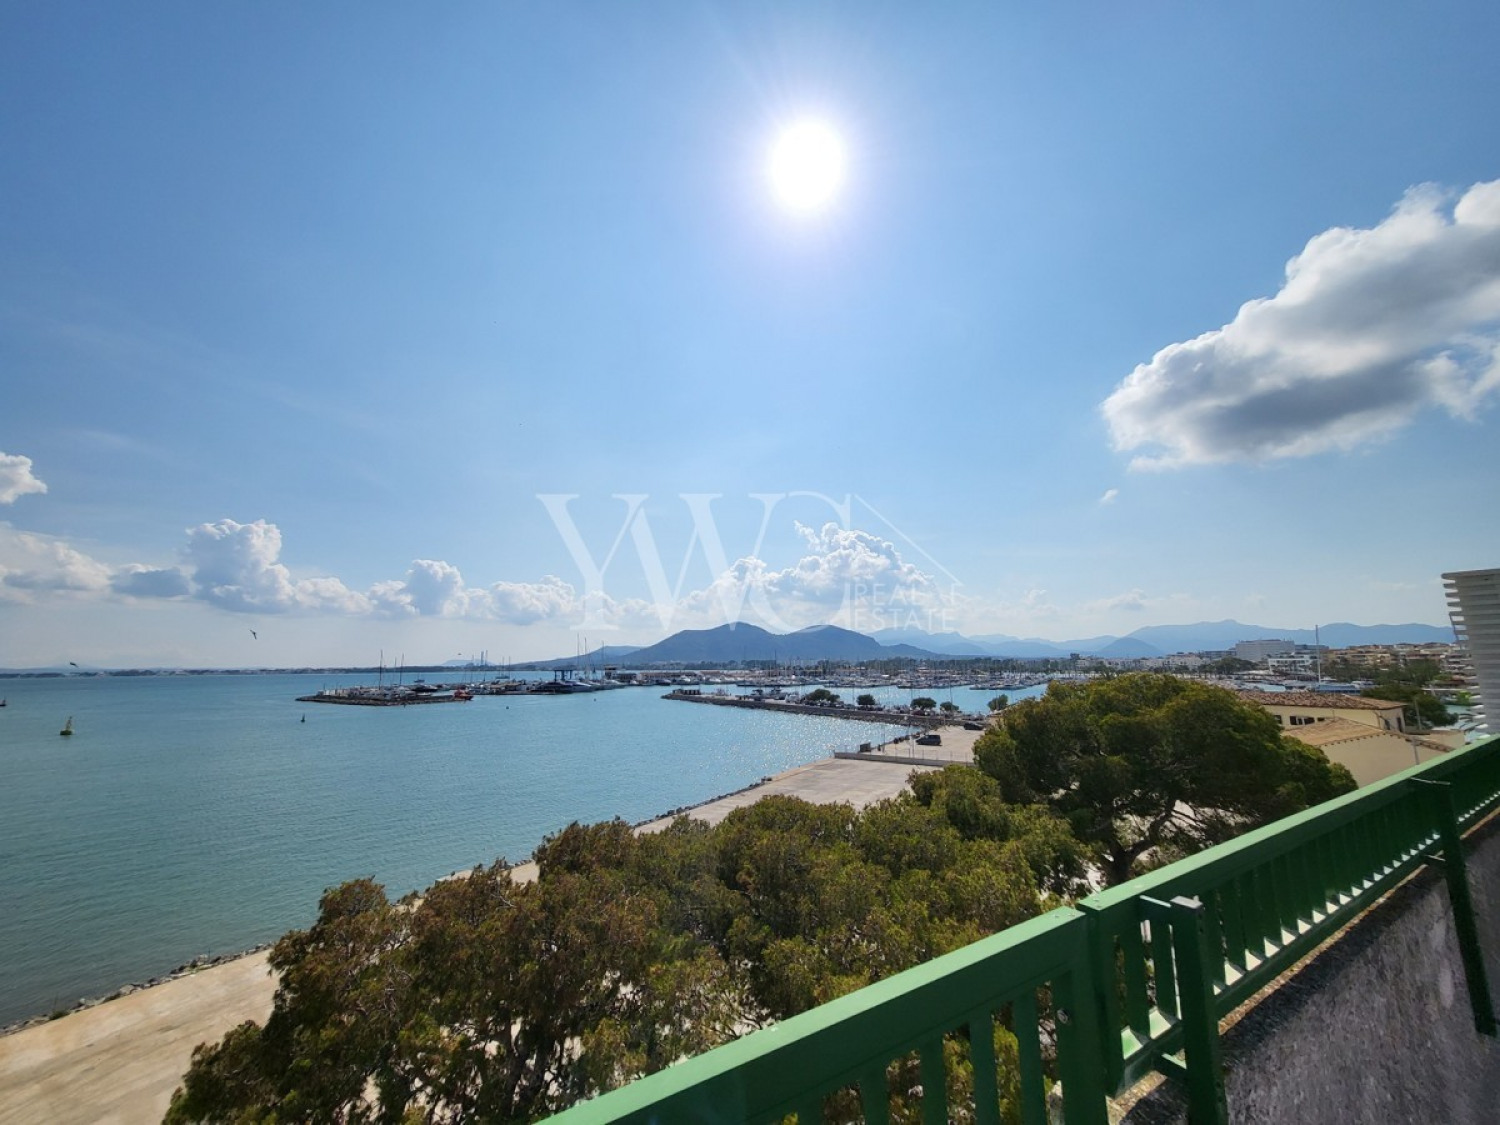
(1122, 315)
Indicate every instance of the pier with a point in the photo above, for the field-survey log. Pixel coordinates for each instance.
(927, 720)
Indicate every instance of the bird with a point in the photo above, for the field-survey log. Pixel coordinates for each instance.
(254, 635)
(73, 663)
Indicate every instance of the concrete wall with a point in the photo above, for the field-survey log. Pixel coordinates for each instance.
(1377, 1026)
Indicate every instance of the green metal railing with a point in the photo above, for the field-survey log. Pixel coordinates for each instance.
(1122, 985)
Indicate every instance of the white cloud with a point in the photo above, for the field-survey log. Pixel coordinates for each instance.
(529, 603)
(138, 581)
(236, 566)
(1109, 496)
(32, 566)
(849, 577)
(16, 478)
(1371, 327)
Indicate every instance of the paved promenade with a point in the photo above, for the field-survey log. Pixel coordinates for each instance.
(117, 1063)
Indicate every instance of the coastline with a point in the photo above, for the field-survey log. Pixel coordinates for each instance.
(119, 1058)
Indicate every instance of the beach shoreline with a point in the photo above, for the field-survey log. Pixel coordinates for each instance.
(119, 1058)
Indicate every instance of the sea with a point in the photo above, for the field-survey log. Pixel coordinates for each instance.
(199, 815)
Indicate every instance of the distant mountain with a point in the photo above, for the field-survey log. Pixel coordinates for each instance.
(733, 644)
(605, 654)
(946, 644)
(1129, 648)
(730, 644)
(1216, 636)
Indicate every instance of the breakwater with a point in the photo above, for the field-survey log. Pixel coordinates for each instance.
(927, 720)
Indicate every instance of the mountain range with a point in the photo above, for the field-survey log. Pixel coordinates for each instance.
(741, 642)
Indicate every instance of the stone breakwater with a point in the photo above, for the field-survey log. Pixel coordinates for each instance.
(924, 719)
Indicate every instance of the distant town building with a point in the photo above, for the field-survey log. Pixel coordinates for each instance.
(1303, 665)
(1474, 608)
(1257, 651)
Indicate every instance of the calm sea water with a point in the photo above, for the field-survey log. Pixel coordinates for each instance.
(200, 815)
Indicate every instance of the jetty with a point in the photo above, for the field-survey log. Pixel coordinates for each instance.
(927, 720)
(386, 696)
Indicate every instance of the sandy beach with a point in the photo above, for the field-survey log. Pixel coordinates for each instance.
(118, 1062)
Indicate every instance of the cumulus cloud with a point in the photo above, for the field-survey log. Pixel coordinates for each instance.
(1370, 328)
(236, 566)
(16, 478)
(138, 581)
(34, 565)
(848, 576)
(528, 603)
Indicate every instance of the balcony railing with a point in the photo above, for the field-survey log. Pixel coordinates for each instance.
(1133, 979)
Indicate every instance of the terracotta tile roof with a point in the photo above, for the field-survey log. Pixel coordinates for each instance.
(1332, 699)
(1330, 732)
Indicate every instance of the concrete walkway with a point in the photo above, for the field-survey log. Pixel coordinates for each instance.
(118, 1063)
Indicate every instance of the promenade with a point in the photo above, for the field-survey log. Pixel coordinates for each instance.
(117, 1063)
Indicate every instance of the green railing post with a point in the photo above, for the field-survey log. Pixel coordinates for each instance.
(1466, 926)
(1080, 1060)
(1200, 1021)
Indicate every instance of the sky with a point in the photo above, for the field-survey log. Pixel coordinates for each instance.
(439, 330)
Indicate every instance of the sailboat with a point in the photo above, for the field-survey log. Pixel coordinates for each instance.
(67, 727)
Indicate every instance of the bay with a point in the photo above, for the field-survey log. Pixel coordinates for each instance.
(200, 815)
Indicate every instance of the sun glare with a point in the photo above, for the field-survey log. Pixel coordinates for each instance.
(807, 166)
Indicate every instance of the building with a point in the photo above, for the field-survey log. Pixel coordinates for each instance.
(1257, 651)
(1366, 736)
(1474, 609)
(1370, 754)
(1294, 709)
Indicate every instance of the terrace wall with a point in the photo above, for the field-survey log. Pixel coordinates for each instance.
(1377, 1025)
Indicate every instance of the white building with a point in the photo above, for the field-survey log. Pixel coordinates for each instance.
(1474, 607)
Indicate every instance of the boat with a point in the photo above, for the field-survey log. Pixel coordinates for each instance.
(67, 727)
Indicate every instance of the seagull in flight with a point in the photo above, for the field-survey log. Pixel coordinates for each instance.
(73, 663)
(254, 634)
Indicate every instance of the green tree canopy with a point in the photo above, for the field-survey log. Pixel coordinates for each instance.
(496, 1000)
(999, 703)
(820, 695)
(1145, 761)
(866, 700)
(1421, 708)
(923, 703)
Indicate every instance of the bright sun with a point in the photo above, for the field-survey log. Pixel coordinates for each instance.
(807, 166)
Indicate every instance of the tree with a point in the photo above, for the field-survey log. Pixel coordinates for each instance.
(820, 695)
(923, 703)
(1146, 761)
(948, 707)
(1229, 666)
(867, 701)
(491, 999)
(999, 703)
(1421, 708)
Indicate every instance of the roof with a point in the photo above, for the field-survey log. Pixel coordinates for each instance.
(1331, 699)
(1329, 732)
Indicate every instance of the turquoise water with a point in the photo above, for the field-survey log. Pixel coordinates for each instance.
(199, 815)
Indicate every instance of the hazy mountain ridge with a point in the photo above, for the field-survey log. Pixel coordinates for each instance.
(740, 642)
